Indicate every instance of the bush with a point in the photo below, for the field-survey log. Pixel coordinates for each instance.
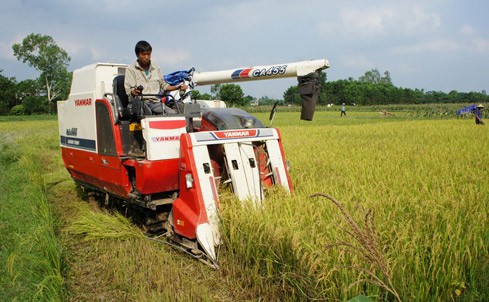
(35, 104)
(17, 110)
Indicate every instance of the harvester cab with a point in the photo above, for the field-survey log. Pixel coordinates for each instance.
(172, 167)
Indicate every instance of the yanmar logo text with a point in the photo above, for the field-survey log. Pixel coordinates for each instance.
(235, 134)
(158, 139)
(83, 102)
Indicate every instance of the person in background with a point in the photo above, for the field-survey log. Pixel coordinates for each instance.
(146, 74)
(478, 114)
(343, 110)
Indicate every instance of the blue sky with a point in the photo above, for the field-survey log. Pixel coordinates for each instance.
(435, 45)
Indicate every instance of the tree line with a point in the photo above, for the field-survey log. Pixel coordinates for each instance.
(374, 89)
(35, 96)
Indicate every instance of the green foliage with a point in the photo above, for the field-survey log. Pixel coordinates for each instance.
(196, 95)
(35, 104)
(368, 93)
(374, 89)
(248, 100)
(29, 87)
(265, 100)
(18, 98)
(17, 110)
(291, 95)
(42, 53)
(373, 77)
(8, 97)
(31, 104)
(216, 91)
(232, 94)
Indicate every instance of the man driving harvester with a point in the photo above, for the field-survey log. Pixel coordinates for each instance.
(145, 75)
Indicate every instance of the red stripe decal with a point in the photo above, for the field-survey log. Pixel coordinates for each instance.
(170, 124)
(238, 133)
(245, 72)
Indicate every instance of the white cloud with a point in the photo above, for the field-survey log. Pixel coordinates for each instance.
(403, 67)
(357, 62)
(467, 30)
(465, 41)
(388, 20)
(474, 42)
(438, 45)
(418, 20)
(170, 56)
(6, 52)
(479, 45)
(365, 22)
(326, 28)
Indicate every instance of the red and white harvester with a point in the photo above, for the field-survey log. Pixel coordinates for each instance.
(171, 167)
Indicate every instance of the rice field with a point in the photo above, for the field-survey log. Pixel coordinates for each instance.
(384, 209)
(424, 180)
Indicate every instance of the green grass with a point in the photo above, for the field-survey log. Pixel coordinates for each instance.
(412, 212)
(30, 253)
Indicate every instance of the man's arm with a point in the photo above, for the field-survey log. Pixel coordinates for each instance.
(167, 87)
(180, 86)
(129, 81)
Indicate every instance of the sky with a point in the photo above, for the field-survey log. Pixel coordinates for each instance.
(435, 45)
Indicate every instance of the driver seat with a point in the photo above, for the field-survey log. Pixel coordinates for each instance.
(121, 98)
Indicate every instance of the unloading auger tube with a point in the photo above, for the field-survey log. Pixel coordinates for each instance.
(307, 73)
(256, 73)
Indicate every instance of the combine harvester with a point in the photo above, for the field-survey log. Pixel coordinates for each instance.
(171, 167)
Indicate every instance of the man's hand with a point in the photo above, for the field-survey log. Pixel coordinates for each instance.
(136, 91)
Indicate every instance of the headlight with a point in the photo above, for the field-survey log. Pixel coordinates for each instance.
(189, 180)
(250, 123)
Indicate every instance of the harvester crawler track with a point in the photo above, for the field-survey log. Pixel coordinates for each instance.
(154, 225)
